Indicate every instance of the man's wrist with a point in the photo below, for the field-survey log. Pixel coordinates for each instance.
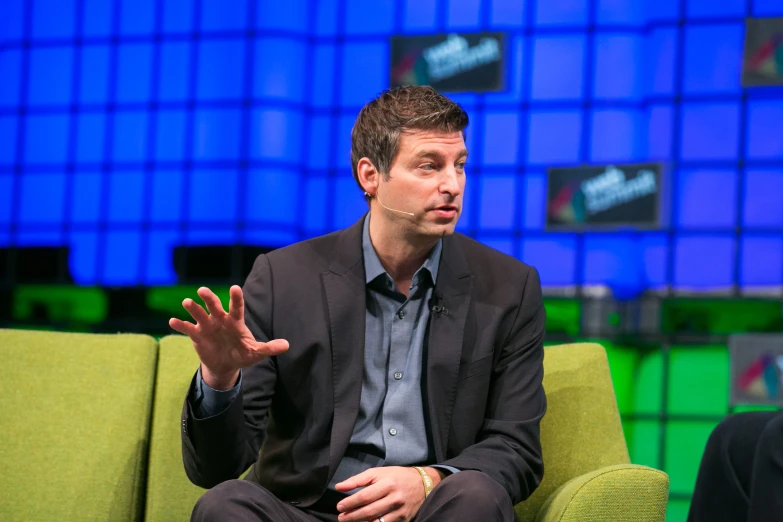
(222, 382)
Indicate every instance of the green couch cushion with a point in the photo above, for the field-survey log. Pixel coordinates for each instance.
(622, 493)
(581, 431)
(170, 494)
(74, 425)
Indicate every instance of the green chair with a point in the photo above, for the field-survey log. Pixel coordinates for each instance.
(74, 425)
(587, 475)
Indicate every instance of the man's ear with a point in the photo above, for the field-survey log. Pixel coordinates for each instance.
(369, 177)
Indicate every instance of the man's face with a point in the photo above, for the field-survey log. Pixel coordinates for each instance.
(427, 178)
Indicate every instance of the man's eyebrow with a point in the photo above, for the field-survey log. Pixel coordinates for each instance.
(436, 154)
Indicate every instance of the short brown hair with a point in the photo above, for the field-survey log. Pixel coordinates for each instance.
(376, 132)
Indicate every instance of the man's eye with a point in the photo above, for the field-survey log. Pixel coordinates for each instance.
(428, 166)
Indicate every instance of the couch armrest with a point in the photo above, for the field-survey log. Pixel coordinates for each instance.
(620, 493)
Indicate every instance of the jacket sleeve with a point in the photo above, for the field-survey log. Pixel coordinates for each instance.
(222, 447)
(508, 446)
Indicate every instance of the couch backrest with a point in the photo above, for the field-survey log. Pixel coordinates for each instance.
(74, 425)
(581, 430)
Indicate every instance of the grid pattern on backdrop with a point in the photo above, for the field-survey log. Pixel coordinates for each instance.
(128, 128)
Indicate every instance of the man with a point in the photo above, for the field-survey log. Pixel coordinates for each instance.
(377, 364)
(741, 473)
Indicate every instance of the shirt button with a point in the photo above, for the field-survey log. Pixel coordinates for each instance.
(398, 376)
(392, 432)
(401, 314)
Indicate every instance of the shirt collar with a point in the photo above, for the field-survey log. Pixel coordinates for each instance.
(373, 267)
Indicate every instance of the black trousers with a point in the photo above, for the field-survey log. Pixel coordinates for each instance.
(741, 472)
(467, 495)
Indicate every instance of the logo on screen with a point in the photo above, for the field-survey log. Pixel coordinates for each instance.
(762, 379)
(763, 64)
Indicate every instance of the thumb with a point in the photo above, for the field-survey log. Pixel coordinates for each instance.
(365, 478)
(274, 347)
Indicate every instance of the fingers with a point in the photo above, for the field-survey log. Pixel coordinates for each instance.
(383, 507)
(211, 300)
(195, 310)
(275, 347)
(365, 478)
(236, 303)
(183, 327)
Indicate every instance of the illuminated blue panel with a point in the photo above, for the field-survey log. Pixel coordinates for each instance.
(280, 69)
(707, 198)
(213, 196)
(617, 135)
(554, 256)
(621, 12)
(615, 261)
(170, 136)
(713, 58)
(276, 135)
(618, 67)
(463, 14)
(5, 237)
(320, 142)
(561, 12)
(177, 16)
(341, 157)
(37, 237)
(212, 235)
(137, 16)
(515, 68)
(470, 198)
(507, 13)
(314, 211)
(94, 77)
(349, 204)
(711, 9)
(221, 66)
(323, 75)
(219, 15)
(662, 9)
(501, 138)
(505, 246)
(364, 17)
(126, 197)
(690, 268)
(419, 14)
(83, 257)
(53, 18)
(498, 196)
(6, 195)
(554, 137)
(50, 76)
(660, 60)
(121, 258)
(46, 139)
(654, 254)
(130, 135)
(659, 132)
(41, 200)
(272, 196)
(291, 15)
(86, 197)
(767, 8)
(159, 269)
(563, 81)
(10, 67)
(765, 130)
(11, 23)
(217, 134)
(166, 201)
(762, 261)
(175, 61)
(7, 140)
(710, 131)
(90, 137)
(763, 189)
(97, 17)
(326, 17)
(373, 61)
(534, 207)
(134, 73)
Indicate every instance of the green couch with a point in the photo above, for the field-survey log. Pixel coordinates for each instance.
(89, 430)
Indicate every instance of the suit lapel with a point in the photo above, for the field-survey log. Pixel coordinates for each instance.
(344, 287)
(444, 349)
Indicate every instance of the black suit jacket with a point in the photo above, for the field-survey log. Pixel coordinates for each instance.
(483, 370)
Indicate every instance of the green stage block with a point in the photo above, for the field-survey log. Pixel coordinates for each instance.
(59, 304)
(648, 394)
(698, 380)
(685, 442)
(643, 439)
(623, 362)
(677, 510)
(721, 316)
(168, 299)
(563, 315)
(753, 407)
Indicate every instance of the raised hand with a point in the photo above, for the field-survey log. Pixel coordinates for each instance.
(223, 342)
